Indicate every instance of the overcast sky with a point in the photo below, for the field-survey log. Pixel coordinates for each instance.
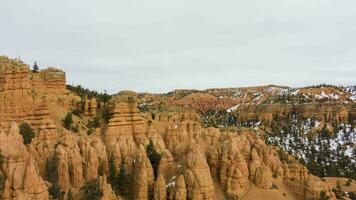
(161, 45)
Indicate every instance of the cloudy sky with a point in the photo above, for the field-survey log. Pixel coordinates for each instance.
(160, 45)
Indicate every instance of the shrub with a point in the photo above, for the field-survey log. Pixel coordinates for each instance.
(92, 191)
(75, 128)
(70, 195)
(112, 177)
(275, 175)
(154, 157)
(27, 133)
(274, 186)
(338, 191)
(95, 123)
(90, 131)
(2, 159)
(352, 195)
(52, 169)
(323, 196)
(124, 182)
(2, 184)
(56, 192)
(68, 121)
(348, 183)
(77, 112)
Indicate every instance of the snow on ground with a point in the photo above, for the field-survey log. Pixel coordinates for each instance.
(352, 91)
(345, 139)
(295, 92)
(258, 97)
(327, 96)
(232, 109)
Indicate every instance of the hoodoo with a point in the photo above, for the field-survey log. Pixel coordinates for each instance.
(149, 146)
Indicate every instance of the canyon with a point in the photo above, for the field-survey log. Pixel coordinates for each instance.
(187, 144)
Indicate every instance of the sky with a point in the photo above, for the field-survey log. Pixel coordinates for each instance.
(162, 45)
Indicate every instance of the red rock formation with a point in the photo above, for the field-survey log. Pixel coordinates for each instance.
(197, 175)
(160, 191)
(50, 80)
(180, 190)
(126, 122)
(143, 176)
(22, 177)
(90, 107)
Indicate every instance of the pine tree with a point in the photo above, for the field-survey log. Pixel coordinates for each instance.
(154, 157)
(112, 178)
(323, 196)
(92, 191)
(124, 183)
(70, 195)
(27, 133)
(68, 121)
(2, 185)
(35, 68)
(52, 169)
(2, 159)
(56, 192)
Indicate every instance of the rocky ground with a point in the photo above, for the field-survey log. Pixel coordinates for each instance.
(186, 144)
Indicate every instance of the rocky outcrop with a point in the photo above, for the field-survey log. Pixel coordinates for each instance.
(197, 175)
(327, 112)
(90, 107)
(236, 183)
(50, 80)
(263, 178)
(106, 190)
(195, 162)
(126, 122)
(166, 166)
(180, 192)
(20, 101)
(79, 160)
(313, 187)
(22, 176)
(15, 90)
(160, 191)
(142, 176)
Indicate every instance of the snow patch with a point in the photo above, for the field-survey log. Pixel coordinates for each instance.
(232, 109)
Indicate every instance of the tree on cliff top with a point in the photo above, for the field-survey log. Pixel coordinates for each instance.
(35, 68)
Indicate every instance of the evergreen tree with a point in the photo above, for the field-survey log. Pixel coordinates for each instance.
(56, 192)
(27, 133)
(338, 191)
(52, 169)
(154, 157)
(124, 182)
(91, 191)
(35, 68)
(2, 159)
(70, 195)
(323, 196)
(2, 178)
(112, 178)
(68, 121)
(2, 185)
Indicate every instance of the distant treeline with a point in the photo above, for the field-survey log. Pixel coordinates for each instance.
(87, 93)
